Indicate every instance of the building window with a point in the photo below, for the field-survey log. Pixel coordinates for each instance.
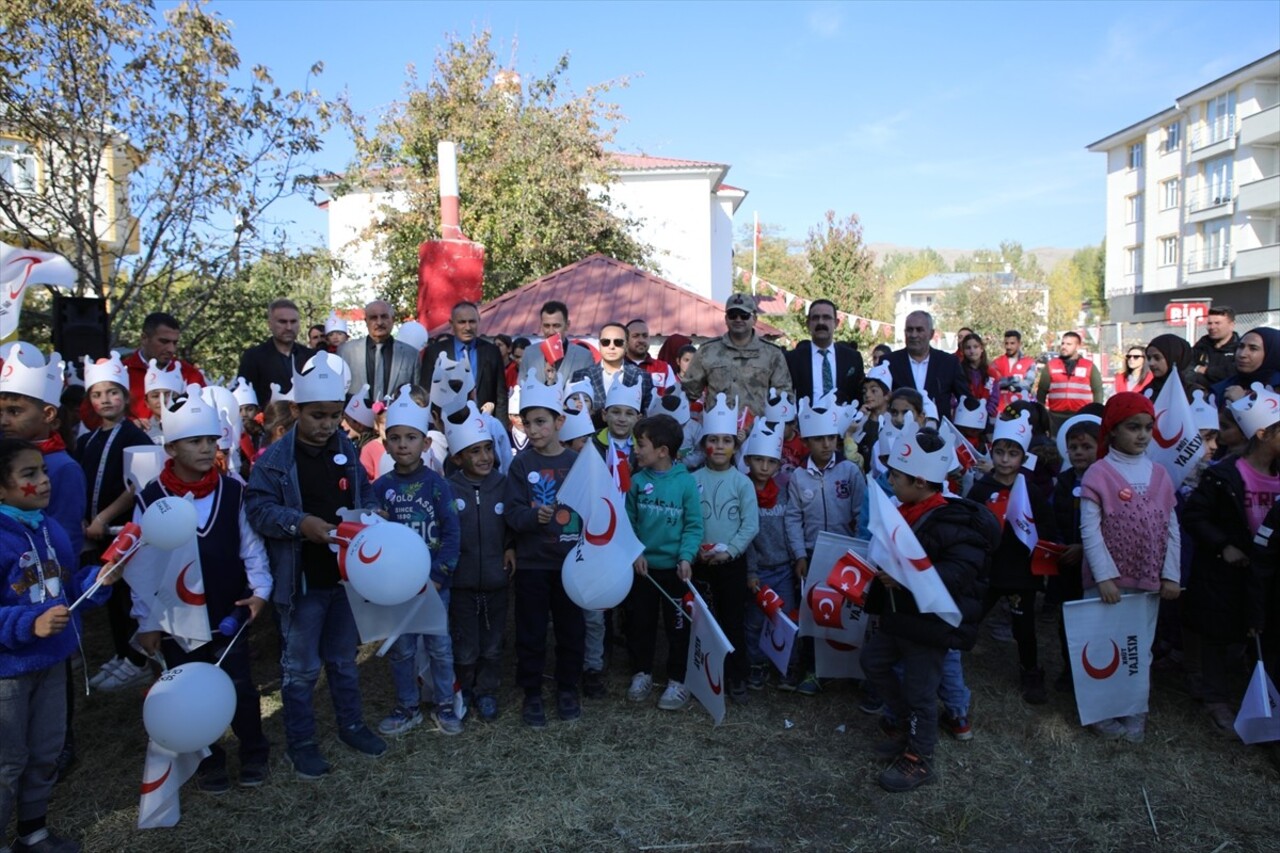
(1172, 136)
(17, 165)
(1135, 155)
(1169, 194)
(1168, 251)
(1133, 260)
(1133, 208)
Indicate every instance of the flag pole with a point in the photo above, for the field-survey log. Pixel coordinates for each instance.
(755, 249)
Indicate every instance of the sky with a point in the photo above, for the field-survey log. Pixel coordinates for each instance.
(951, 125)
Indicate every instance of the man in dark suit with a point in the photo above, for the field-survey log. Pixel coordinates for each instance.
(379, 360)
(930, 371)
(820, 364)
(275, 360)
(485, 358)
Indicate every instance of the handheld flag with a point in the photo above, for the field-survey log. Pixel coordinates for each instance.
(163, 776)
(708, 647)
(850, 576)
(838, 638)
(1110, 651)
(1176, 444)
(895, 549)
(1259, 717)
(1044, 559)
(1018, 513)
(553, 350)
(777, 639)
(22, 267)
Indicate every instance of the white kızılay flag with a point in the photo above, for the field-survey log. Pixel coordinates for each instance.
(708, 647)
(839, 637)
(586, 483)
(21, 267)
(176, 604)
(1259, 717)
(602, 558)
(423, 614)
(896, 551)
(163, 776)
(1018, 514)
(777, 638)
(1176, 444)
(1110, 652)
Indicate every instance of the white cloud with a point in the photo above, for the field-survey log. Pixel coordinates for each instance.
(825, 20)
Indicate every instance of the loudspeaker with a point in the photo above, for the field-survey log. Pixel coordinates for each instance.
(81, 327)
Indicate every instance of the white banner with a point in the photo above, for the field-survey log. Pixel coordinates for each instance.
(895, 550)
(163, 776)
(708, 647)
(839, 639)
(21, 267)
(1175, 443)
(1110, 652)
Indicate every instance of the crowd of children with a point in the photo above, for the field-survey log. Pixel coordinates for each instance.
(729, 500)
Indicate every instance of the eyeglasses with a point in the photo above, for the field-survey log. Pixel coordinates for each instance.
(613, 342)
(737, 315)
(1138, 357)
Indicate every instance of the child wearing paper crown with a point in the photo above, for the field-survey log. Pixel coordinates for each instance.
(1011, 575)
(1223, 516)
(1079, 434)
(159, 384)
(1128, 528)
(295, 493)
(730, 520)
(769, 560)
(414, 495)
(478, 602)
(38, 635)
(666, 513)
(236, 577)
(109, 503)
(903, 660)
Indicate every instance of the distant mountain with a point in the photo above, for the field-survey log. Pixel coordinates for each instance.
(1047, 256)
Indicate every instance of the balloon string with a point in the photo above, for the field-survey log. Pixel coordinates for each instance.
(223, 656)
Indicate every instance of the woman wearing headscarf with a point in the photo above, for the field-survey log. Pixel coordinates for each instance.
(1257, 360)
(1167, 356)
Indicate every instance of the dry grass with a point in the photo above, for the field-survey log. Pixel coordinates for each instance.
(634, 778)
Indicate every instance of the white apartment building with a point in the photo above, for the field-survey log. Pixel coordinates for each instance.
(1193, 200)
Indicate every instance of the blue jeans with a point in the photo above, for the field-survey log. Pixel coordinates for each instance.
(33, 718)
(317, 627)
(952, 690)
(782, 580)
(404, 675)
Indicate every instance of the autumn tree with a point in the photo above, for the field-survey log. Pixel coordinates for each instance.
(780, 261)
(533, 170)
(989, 307)
(154, 157)
(901, 269)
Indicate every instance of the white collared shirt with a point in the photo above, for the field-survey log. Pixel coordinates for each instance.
(919, 370)
(816, 361)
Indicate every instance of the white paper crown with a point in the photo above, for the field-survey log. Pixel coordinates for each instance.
(278, 396)
(1017, 430)
(243, 391)
(763, 441)
(779, 407)
(1259, 410)
(105, 370)
(890, 434)
(404, 411)
(621, 393)
(323, 380)
(576, 425)
(358, 408)
(913, 460)
(582, 386)
(42, 381)
(534, 393)
(465, 426)
(971, 412)
(1203, 410)
(334, 323)
(880, 373)
(414, 334)
(189, 415)
(930, 408)
(819, 419)
(721, 418)
(224, 402)
(674, 403)
(451, 383)
(164, 378)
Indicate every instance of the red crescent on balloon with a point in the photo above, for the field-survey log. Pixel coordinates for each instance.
(8, 370)
(1103, 672)
(706, 667)
(152, 787)
(599, 539)
(186, 595)
(1166, 443)
(365, 559)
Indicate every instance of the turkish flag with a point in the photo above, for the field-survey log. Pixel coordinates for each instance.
(553, 349)
(998, 503)
(1044, 557)
(620, 468)
(745, 419)
(162, 776)
(826, 603)
(851, 575)
(768, 600)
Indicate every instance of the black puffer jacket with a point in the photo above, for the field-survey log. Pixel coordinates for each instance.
(959, 538)
(1218, 593)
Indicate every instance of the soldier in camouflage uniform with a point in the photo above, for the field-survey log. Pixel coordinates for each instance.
(738, 363)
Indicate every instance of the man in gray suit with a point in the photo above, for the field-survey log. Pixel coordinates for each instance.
(380, 360)
(554, 318)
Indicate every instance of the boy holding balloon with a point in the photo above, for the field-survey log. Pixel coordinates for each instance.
(236, 577)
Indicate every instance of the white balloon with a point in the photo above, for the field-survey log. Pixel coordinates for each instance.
(595, 584)
(189, 707)
(414, 334)
(387, 563)
(169, 523)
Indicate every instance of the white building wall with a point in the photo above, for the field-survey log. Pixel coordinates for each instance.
(361, 270)
(676, 219)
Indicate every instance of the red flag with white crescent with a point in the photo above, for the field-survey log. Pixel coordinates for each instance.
(826, 605)
(850, 576)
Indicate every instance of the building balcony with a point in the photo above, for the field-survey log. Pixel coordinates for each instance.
(1212, 139)
(1261, 128)
(1207, 266)
(1209, 202)
(1262, 262)
(1263, 194)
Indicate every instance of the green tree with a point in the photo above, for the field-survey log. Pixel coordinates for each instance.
(901, 269)
(1010, 257)
(780, 261)
(533, 170)
(157, 156)
(987, 307)
(843, 269)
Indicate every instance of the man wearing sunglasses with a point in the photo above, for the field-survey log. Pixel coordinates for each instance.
(613, 360)
(738, 364)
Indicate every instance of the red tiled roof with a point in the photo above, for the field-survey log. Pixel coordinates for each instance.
(642, 161)
(730, 188)
(598, 289)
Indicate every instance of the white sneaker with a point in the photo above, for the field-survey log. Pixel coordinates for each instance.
(641, 687)
(127, 674)
(675, 697)
(108, 669)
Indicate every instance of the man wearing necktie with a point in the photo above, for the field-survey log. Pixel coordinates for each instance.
(379, 359)
(485, 358)
(821, 365)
